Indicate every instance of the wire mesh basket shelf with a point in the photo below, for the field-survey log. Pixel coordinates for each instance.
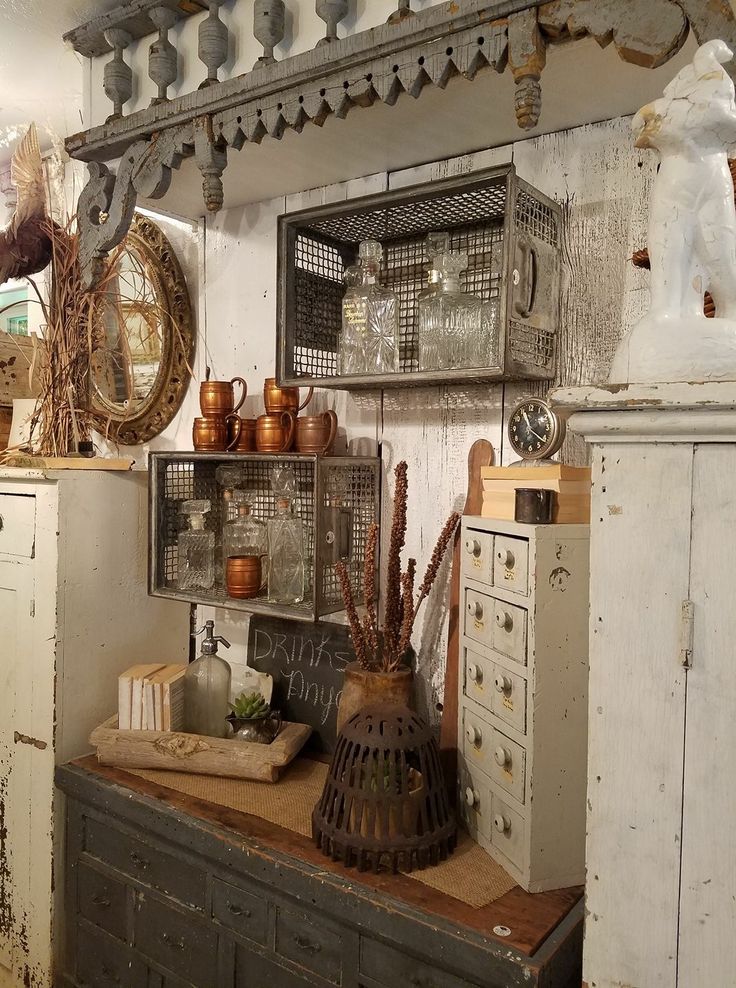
(337, 499)
(510, 232)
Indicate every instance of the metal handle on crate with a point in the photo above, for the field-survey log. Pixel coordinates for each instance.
(528, 276)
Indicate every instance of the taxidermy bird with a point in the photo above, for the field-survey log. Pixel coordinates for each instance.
(25, 246)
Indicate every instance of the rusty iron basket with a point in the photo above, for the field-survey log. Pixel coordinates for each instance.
(384, 804)
(640, 258)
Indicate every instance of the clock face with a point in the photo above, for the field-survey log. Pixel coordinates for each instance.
(534, 429)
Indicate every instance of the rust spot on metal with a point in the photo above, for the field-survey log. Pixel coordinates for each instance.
(453, 8)
(27, 739)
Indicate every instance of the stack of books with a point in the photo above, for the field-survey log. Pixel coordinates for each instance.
(151, 698)
(570, 484)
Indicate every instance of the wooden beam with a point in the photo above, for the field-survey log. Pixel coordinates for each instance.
(89, 38)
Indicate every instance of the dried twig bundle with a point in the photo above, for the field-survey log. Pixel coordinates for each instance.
(385, 649)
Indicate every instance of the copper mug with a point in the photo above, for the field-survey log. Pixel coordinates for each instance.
(278, 399)
(316, 433)
(211, 434)
(217, 398)
(244, 576)
(241, 434)
(275, 433)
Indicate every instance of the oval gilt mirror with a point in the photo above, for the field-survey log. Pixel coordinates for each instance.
(143, 338)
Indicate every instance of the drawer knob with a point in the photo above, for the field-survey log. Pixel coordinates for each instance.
(503, 683)
(98, 900)
(473, 547)
(504, 620)
(475, 609)
(502, 823)
(474, 735)
(475, 673)
(471, 797)
(506, 558)
(502, 756)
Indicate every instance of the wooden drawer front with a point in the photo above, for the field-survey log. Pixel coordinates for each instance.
(148, 864)
(511, 564)
(474, 802)
(492, 752)
(240, 911)
(479, 612)
(508, 697)
(507, 831)
(105, 963)
(393, 969)
(102, 901)
(179, 941)
(509, 630)
(17, 524)
(477, 556)
(254, 971)
(478, 683)
(310, 942)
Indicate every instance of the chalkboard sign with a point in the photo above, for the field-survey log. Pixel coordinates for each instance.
(307, 663)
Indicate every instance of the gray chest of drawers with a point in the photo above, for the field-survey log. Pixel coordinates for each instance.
(166, 892)
(522, 706)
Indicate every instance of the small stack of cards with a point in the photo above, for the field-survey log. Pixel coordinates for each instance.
(151, 698)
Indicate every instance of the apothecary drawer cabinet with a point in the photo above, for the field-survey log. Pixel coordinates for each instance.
(522, 706)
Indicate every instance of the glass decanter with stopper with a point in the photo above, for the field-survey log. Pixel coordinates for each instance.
(369, 343)
(286, 569)
(245, 549)
(207, 688)
(450, 321)
(229, 477)
(196, 549)
(437, 243)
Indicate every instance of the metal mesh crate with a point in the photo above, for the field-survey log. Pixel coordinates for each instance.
(510, 232)
(337, 499)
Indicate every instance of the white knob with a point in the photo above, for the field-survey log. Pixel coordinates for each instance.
(504, 620)
(474, 735)
(502, 756)
(506, 558)
(502, 823)
(475, 673)
(472, 546)
(503, 684)
(476, 609)
(471, 797)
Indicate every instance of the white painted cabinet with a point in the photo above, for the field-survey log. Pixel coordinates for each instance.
(522, 702)
(661, 854)
(73, 613)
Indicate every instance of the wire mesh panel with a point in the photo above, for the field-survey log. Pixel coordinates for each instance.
(510, 232)
(336, 499)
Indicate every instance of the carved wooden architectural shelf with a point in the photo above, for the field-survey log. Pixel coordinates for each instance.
(411, 52)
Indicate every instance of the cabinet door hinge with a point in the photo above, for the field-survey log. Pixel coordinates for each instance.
(686, 634)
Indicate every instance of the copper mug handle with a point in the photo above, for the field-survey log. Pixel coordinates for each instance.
(332, 419)
(234, 442)
(310, 392)
(291, 418)
(239, 380)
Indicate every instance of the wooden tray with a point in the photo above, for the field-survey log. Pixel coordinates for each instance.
(195, 753)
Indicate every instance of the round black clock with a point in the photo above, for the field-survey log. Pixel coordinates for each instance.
(535, 431)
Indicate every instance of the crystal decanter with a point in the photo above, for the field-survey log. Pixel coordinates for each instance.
(286, 569)
(196, 549)
(450, 321)
(370, 318)
(244, 534)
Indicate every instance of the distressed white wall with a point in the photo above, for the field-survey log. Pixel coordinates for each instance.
(603, 183)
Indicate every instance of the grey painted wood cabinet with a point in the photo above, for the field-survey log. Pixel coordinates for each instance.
(160, 897)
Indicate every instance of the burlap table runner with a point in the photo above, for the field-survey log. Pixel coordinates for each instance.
(469, 874)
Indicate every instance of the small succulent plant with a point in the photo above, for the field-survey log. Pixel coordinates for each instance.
(250, 705)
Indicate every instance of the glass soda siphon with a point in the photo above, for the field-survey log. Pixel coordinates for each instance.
(207, 689)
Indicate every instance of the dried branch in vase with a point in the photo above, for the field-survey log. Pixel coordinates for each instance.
(386, 649)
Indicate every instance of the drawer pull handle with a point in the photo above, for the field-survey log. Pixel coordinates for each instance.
(237, 910)
(502, 823)
(503, 684)
(138, 861)
(172, 942)
(503, 757)
(504, 620)
(473, 547)
(475, 673)
(304, 943)
(474, 735)
(97, 900)
(475, 608)
(471, 797)
(507, 558)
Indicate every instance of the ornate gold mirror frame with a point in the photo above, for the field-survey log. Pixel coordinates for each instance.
(173, 308)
